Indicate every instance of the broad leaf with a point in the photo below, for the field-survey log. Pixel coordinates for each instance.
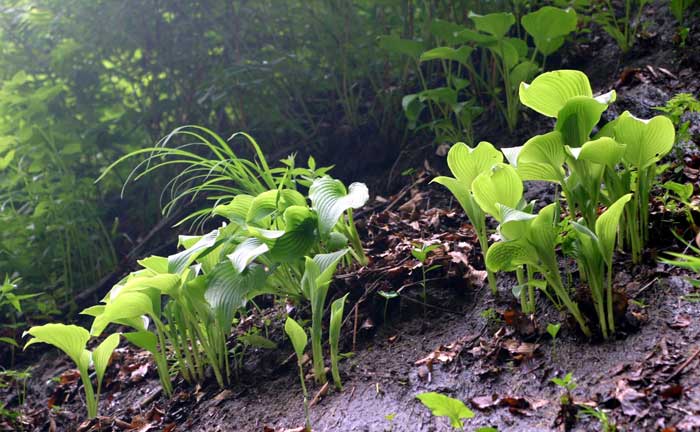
(397, 45)
(128, 305)
(247, 251)
(439, 95)
(227, 290)
(144, 340)
(467, 163)
(604, 151)
(577, 118)
(300, 234)
(522, 72)
(508, 255)
(446, 30)
(327, 264)
(514, 223)
(460, 55)
(543, 231)
(547, 153)
(70, 339)
(179, 262)
(271, 203)
(548, 26)
(647, 140)
(156, 264)
(237, 210)
(298, 337)
(496, 24)
(550, 91)
(445, 406)
(500, 185)
(331, 200)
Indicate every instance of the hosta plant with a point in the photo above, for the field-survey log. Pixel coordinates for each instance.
(466, 164)
(605, 179)
(621, 158)
(476, 66)
(72, 340)
(336, 323)
(182, 307)
(297, 335)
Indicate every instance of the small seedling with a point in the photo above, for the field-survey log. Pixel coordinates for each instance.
(388, 295)
(553, 330)
(390, 418)
(421, 254)
(299, 341)
(567, 383)
(598, 414)
(445, 406)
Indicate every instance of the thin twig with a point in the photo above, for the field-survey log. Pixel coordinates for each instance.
(684, 365)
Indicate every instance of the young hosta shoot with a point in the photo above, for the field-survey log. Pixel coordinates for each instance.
(646, 142)
(595, 254)
(499, 193)
(334, 337)
(466, 164)
(72, 340)
(297, 335)
(317, 277)
(536, 248)
(445, 406)
(136, 302)
(567, 96)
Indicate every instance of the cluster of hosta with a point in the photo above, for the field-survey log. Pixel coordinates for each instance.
(504, 61)
(613, 169)
(275, 243)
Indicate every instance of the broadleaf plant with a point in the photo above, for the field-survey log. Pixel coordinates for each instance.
(445, 406)
(72, 340)
(613, 168)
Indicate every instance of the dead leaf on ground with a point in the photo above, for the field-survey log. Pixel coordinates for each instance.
(632, 402)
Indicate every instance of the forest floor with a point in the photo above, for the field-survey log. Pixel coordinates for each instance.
(462, 341)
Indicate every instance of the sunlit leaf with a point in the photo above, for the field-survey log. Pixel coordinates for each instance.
(297, 335)
(445, 406)
(330, 199)
(500, 185)
(550, 91)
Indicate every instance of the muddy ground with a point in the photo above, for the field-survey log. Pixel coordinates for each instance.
(464, 343)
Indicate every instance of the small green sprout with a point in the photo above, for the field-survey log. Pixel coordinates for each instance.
(421, 254)
(388, 295)
(553, 330)
(568, 384)
(600, 415)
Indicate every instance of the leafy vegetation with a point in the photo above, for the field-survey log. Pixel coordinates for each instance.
(615, 167)
(91, 94)
(72, 339)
